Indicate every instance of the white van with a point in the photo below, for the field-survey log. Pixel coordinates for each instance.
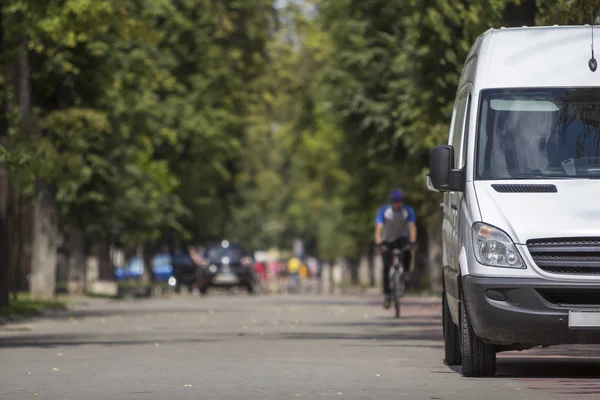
(520, 177)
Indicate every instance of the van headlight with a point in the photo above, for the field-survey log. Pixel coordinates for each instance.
(494, 247)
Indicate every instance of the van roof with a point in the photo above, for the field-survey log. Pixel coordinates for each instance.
(537, 56)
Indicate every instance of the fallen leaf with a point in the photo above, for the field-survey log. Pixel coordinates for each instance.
(187, 385)
(518, 388)
(59, 354)
(55, 369)
(156, 344)
(29, 373)
(366, 315)
(377, 375)
(35, 395)
(339, 392)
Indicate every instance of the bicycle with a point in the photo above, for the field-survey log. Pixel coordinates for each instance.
(397, 275)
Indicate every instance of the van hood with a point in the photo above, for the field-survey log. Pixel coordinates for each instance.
(525, 212)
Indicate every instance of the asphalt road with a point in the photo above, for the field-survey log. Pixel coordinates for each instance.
(266, 347)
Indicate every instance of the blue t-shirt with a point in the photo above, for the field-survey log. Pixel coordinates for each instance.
(395, 223)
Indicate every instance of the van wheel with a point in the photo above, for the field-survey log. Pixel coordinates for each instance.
(478, 357)
(451, 335)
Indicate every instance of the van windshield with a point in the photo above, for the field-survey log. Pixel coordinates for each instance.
(539, 133)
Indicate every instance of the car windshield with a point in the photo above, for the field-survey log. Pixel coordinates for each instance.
(218, 252)
(537, 134)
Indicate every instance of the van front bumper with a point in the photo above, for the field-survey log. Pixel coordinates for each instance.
(529, 311)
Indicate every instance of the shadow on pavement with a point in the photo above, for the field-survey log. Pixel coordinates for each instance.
(418, 334)
(549, 368)
(132, 311)
(358, 301)
(49, 341)
(416, 345)
(565, 375)
(391, 323)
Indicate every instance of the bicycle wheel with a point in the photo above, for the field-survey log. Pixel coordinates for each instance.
(401, 282)
(396, 293)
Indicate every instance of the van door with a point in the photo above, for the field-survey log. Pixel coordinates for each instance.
(459, 141)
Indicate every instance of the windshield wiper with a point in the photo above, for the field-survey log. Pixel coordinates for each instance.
(543, 177)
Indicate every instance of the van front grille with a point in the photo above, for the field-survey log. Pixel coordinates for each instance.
(577, 297)
(577, 256)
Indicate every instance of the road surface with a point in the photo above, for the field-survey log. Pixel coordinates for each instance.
(266, 347)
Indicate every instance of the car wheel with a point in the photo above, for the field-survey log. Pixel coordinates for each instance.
(452, 355)
(478, 357)
(253, 288)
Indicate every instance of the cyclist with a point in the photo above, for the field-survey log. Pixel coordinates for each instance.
(395, 226)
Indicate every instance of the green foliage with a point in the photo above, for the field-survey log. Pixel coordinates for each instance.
(23, 306)
(567, 12)
(216, 118)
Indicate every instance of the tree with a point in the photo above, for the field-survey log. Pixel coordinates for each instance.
(216, 50)
(5, 185)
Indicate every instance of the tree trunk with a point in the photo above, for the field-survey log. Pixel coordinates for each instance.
(5, 211)
(354, 263)
(331, 276)
(434, 254)
(371, 261)
(105, 265)
(25, 243)
(77, 260)
(15, 243)
(5, 193)
(42, 280)
(147, 253)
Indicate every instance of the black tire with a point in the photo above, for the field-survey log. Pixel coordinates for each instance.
(401, 281)
(396, 294)
(478, 357)
(452, 355)
(203, 290)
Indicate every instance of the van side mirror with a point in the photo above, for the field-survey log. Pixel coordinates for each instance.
(442, 175)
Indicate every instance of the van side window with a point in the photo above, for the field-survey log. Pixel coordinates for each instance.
(459, 123)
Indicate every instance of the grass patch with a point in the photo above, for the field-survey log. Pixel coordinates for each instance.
(98, 295)
(23, 305)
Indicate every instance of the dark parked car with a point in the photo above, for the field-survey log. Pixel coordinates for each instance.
(226, 265)
(184, 270)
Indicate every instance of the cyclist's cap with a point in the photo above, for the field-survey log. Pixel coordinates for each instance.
(397, 195)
